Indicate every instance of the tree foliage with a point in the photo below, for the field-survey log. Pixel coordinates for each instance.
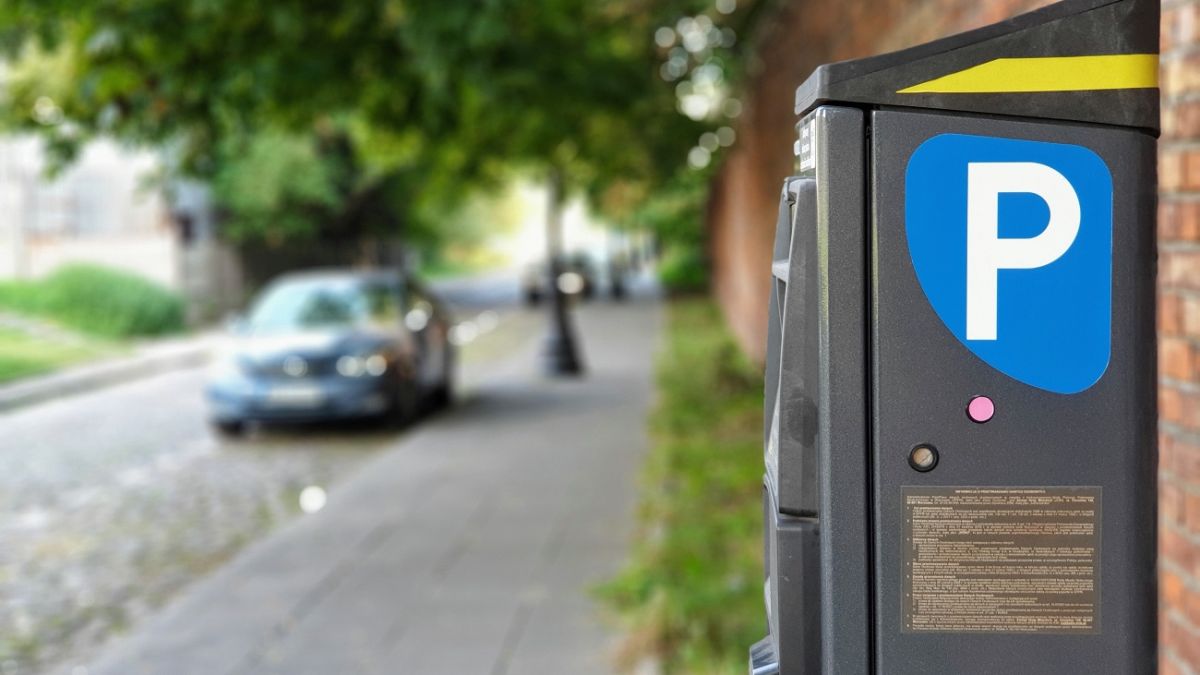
(272, 184)
(433, 97)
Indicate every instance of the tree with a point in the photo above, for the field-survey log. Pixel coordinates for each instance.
(437, 97)
(565, 88)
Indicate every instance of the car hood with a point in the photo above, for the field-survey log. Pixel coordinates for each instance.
(315, 343)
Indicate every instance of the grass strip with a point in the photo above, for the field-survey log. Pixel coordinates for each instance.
(691, 593)
(24, 355)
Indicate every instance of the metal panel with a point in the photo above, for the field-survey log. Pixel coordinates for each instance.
(795, 593)
(795, 422)
(840, 170)
(1103, 436)
(817, 462)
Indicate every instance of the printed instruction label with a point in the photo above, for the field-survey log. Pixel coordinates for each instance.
(806, 145)
(1001, 560)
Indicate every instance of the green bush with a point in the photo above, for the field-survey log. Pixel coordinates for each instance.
(692, 590)
(98, 301)
(683, 270)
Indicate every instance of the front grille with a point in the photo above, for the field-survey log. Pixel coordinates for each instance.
(275, 367)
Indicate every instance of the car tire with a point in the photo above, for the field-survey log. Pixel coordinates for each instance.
(229, 428)
(443, 395)
(406, 405)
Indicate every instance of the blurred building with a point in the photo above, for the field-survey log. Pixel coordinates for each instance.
(105, 210)
(745, 193)
(95, 212)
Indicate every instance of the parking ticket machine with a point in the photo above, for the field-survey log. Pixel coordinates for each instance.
(960, 407)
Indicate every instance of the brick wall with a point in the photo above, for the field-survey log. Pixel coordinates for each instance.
(1179, 338)
(745, 194)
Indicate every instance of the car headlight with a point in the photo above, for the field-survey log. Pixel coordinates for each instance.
(372, 365)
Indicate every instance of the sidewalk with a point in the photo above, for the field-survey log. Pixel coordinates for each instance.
(467, 548)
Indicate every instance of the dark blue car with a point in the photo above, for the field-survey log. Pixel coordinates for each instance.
(334, 345)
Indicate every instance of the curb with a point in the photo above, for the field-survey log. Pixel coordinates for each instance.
(153, 361)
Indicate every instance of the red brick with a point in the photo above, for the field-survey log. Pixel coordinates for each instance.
(1191, 606)
(1185, 461)
(1180, 269)
(1170, 405)
(1170, 314)
(1181, 639)
(1167, 209)
(1171, 503)
(1171, 586)
(1166, 29)
(1188, 220)
(1179, 27)
(1168, 667)
(1183, 25)
(1175, 357)
(1181, 120)
(1191, 505)
(1179, 550)
(1191, 169)
(1170, 169)
(1188, 315)
(1181, 75)
(1178, 220)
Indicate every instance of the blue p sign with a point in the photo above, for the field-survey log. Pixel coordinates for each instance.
(1011, 241)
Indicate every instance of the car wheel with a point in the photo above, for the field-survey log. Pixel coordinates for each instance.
(406, 405)
(443, 396)
(229, 428)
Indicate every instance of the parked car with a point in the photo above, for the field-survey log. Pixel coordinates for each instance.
(334, 345)
(578, 276)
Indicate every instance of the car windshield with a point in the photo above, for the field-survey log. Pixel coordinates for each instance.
(321, 304)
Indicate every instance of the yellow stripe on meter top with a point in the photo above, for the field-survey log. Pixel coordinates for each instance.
(1047, 73)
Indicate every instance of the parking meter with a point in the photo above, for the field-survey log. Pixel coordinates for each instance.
(960, 410)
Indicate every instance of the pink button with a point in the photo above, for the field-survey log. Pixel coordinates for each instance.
(981, 409)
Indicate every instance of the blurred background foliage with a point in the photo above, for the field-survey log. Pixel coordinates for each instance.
(319, 119)
(673, 213)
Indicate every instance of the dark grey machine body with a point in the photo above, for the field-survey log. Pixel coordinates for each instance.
(861, 369)
(867, 371)
(817, 491)
(1103, 436)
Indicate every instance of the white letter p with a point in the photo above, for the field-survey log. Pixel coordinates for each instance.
(987, 253)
